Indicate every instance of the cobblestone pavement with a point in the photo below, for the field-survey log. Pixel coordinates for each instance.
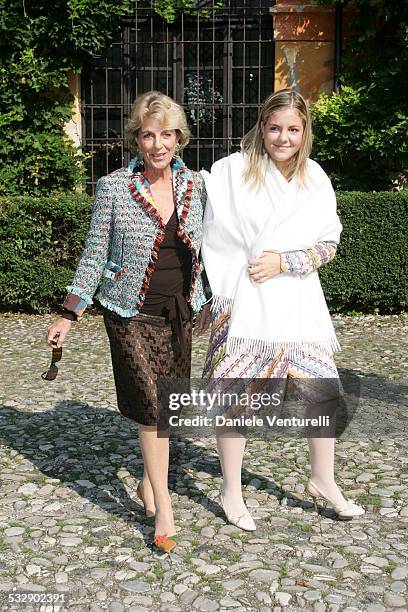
(70, 522)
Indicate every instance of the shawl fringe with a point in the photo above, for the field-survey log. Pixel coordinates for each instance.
(264, 348)
(222, 304)
(292, 349)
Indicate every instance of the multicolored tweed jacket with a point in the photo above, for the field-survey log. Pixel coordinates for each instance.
(125, 235)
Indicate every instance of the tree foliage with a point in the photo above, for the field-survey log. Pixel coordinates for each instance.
(362, 132)
(40, 41)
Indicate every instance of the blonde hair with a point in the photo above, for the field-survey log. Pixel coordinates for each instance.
(163, 108)
(252, 143)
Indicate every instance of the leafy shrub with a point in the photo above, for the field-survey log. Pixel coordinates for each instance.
(361, 145)
(39, 43)
(362, 132)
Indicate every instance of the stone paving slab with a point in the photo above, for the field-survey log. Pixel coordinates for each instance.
(70, 522)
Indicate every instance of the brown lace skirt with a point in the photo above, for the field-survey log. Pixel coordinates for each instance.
(145, 348)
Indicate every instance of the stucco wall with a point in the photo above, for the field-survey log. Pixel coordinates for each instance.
(304, 48)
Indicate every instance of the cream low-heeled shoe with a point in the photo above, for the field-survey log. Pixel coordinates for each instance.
(347, 510)
(243, 521)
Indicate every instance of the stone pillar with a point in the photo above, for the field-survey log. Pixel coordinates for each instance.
(304, 46)
(74, 127)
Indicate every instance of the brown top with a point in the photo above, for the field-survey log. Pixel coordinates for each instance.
(172, 273)
(170, 283)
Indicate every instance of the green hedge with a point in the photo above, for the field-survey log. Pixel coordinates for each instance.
(370, 270)
(42, 238)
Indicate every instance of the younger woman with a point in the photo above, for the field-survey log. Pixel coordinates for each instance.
(270, 222)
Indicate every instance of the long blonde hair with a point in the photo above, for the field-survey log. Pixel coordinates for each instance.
(252, 143)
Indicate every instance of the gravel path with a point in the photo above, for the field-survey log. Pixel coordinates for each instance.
(70, 522)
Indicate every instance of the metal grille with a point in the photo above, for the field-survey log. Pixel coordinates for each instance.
(219, 66)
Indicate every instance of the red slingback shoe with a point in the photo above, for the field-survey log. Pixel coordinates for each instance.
(165, 543)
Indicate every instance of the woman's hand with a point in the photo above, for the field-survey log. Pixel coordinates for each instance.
(203, 321)
(264, 267)
(57, 331)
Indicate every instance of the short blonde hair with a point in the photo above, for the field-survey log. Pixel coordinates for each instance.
(163, 108)
(252, 143)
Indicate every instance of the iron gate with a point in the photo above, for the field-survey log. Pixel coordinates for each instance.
(219, 66)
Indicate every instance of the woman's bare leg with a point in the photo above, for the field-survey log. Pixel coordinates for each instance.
(231, 452)
(322, 464)
(146, 490)
(155, 452)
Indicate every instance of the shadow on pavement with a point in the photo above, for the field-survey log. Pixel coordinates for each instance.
(77, 442)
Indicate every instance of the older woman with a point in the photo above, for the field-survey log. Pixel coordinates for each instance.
(142, 251)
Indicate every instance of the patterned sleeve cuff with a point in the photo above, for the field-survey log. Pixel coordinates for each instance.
(304, 262)
(73, 303)
(284, 263)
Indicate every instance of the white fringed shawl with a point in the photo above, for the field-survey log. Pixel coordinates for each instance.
(240, 223)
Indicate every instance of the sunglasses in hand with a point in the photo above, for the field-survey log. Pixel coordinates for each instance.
(52, 371)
